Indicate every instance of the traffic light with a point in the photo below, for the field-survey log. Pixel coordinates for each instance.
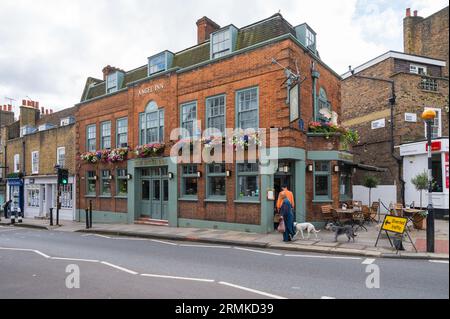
(63, 176)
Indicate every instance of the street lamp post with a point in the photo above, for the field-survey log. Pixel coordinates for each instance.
(428, 116)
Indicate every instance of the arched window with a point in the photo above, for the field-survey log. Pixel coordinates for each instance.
(151, 124)
(322, 103)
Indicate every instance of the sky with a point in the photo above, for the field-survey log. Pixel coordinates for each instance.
(48, 48)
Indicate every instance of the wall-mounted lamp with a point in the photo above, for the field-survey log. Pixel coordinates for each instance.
(228, 173)
(310, 168)
(129, 176)
(337, 168)
(286, 169)
(199, 174)
(110, 177)
(170, 175)
(96, 177)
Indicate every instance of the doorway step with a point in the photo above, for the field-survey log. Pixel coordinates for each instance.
(152, 222)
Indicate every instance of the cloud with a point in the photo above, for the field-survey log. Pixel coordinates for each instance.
(49, 48)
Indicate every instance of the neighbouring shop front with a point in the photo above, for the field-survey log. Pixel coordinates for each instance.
(40, 194)
(415, 161)
(15, 193)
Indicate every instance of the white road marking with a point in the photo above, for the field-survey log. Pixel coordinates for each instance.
(368, 261)
(163, 242)
(119, 268)
(326, 297)
(262, 293)
(133, 239)
(439, 261)
(205, 246)
(257, 251)
(177, 278)
(101, 236)
(323, 257)
(41, 253)
(75, 259)
(16, 249)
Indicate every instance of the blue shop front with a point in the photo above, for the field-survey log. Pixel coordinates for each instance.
(15, 192)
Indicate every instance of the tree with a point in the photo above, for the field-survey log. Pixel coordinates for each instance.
(370, 182)
(421, 184)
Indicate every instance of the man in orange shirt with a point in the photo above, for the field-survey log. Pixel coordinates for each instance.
(289, 196)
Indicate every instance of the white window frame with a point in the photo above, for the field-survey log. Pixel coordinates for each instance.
(16, 163)
(112, 82)
(58, 159)
(415, 69)
(310, 38)
(153, 67)
(193, 106)
(35, 162)
(438, 118)
(105, 135)
(241, 107)
(221, 46)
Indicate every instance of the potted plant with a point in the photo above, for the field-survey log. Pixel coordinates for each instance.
(370, 182)
(420, 220)
(420, 182)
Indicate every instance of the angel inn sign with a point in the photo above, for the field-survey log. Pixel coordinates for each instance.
(220, 90)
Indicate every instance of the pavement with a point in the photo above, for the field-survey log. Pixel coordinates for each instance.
(324, 244)
(39, 264)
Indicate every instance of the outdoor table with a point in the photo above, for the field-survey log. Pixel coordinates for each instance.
(348, 215)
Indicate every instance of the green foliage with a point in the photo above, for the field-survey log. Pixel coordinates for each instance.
(370, 181)
(421, 181)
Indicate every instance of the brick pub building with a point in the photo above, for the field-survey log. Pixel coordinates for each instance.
(234, 77)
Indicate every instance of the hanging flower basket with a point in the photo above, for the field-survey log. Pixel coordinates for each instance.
(149, 150)
(210, 142)
(90, 158)
(245, 140)
(118, 155)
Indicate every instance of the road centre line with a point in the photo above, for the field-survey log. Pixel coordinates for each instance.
(262, 293)
(120, 268)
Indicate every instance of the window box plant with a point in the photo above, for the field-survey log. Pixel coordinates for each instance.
(244, 140)
(150, 150)
(328, 129)
(118, 155)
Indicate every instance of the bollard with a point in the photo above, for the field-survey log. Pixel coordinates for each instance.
(87, 218)
(51, 216)
(19, 218)
(90, 214)
(13, 218)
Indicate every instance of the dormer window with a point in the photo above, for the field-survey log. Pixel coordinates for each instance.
(160, 62)
(310, 38)
(67, 121)
(112, 82)
(223, 41)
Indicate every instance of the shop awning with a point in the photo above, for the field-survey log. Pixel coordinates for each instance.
(370, 168)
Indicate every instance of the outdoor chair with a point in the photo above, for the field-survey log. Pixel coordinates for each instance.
(359, 219)
(328, 213)
(374, 212)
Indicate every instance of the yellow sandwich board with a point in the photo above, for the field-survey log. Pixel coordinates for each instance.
(395, 224)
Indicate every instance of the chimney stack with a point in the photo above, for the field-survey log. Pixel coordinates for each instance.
(205, 27)
(408, 12)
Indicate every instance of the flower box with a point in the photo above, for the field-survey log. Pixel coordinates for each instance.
(150, 150)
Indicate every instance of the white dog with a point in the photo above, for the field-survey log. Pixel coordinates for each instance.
(300, 228)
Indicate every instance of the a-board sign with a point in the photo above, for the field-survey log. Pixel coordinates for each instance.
(395, 224)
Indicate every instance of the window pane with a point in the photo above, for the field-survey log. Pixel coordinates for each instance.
(190, 186)
(437, 173)
(248, 109)
(322, 183)
(91, 187)
(248, 168)
(145, 190)
(216, 113)
(322, 166)
(216, 169)
(216, 186)
(248, 187)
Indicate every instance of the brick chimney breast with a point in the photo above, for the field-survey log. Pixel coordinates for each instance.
(205, 26)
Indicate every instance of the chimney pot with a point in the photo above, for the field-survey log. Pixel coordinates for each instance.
(9, 107)
(24, 102)
(42, 110)
(37, 105)
(51, 111)
(46, 112)
(408, 12)
(415, 13)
